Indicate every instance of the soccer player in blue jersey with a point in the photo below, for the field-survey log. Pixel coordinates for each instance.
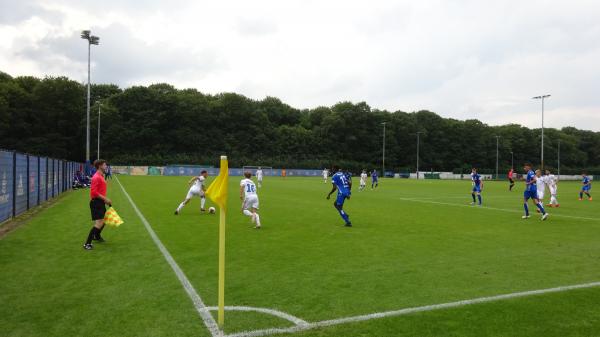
(342, 182)
(531, 192)
(374, 179)
(587, 186)
(477, 186)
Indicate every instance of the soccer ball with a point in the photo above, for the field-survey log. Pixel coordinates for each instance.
(211, 210)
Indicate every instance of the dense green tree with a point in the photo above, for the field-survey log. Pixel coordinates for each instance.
(160, 124)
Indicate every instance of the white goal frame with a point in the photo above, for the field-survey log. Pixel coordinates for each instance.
(267, 170)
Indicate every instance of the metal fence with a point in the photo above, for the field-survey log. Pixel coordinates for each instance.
(27, 181)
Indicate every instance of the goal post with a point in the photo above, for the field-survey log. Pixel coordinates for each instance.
(267, 170)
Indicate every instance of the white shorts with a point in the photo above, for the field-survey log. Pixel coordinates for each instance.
(250, 202)
(363, 183)
(540, 194)
(194, 192)
(553, 191)
(259, 178)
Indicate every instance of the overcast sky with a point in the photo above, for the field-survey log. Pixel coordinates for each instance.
(461, 59)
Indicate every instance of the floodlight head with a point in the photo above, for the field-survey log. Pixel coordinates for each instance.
(94, 40)
(85, 34)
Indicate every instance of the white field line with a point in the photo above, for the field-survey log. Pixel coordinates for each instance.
(467, 197)
(280, 314)
(493, 208)
(209, 321)
(353, 319)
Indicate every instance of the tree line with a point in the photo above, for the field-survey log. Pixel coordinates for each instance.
(159, 125)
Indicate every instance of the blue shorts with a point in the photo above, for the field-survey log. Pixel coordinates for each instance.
(374, 179)
(530, 194)
(586, 188)
(341, 198)
(477, 188)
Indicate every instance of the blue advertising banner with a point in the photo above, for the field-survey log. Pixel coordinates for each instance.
(43, 178)
(33, 182)
(21, 179)
(213, 171)
(6, 184)
(187, 170)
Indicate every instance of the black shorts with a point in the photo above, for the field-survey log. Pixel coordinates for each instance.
(511, 181)
(98, 209)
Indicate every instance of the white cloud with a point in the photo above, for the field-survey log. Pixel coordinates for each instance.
(461, 59)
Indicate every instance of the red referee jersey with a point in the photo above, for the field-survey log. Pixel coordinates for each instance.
(98, 186)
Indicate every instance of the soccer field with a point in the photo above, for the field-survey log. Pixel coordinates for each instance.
(414, 244)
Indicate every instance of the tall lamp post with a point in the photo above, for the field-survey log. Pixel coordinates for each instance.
(512, 160)
(418, 145)
(383, 161)
(92, 40)
(99, 113)
(558, 159)
(542, 97)
(497, 140)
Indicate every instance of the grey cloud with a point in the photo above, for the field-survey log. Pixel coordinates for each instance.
(123, 59)
(462, 59)
(12, 12)
(257, 27)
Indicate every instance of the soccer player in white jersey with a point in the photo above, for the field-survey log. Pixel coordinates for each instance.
(197, 189)
(541, 185)
(249, 199)
(325, 174)
(552, 182)
(259, 177)
(363, 180)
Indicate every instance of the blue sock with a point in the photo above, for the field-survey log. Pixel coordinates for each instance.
(526, 209)
(589, 196)
(344, 215)
(473, 195)
(539, 205)
(479, 197)
(580, 195)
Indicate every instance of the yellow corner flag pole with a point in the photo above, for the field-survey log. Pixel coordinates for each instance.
(221, 316)
(217, 192)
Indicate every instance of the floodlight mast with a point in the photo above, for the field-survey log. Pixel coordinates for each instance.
(497, 140)
(542, 97)
(99, 113)
(92, 40)
(383, 159)
(418, 145)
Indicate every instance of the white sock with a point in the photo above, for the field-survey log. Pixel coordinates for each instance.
(247, 212)
(202, 202)
(257, 219)
(180, 207)
(553, 200)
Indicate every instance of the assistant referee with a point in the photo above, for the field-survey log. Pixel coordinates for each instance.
(98, 203)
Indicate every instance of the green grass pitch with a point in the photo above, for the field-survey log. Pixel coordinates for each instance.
(414, 243)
